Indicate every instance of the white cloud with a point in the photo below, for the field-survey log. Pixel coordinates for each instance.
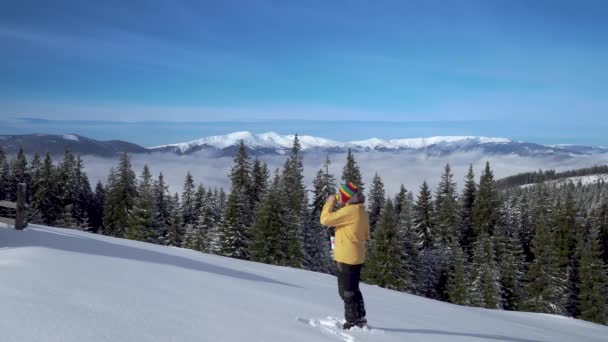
(394, 168)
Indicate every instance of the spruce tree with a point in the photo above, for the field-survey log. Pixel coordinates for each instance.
(204, 240)
(600, 221)
(188, 198)
(377, 199)
(83, 196)
(162, 211)
(45, 201)
(18, 173)
(259, 181)
(120, 198)
(142, 215)
(351, 172)
(34, 173)
(267, 231)
(296, 205)
(544, 286)
(67, 187)
(317, 241)
(485, 209)
(4, 176)
(423, 217)
(567, 228)
(175, 233)
(467, 202)
(409, 241)
(485, 288)
(510, 257)
(96, 208)
(592, 282)
(446, 209)
(457, 278)
(236, 224)
(384, 265)
(399, 199)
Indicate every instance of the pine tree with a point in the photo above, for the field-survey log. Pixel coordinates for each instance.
(34, 174)
(423, 217)
(206, 222)
(385, 264)
(485, 288)
(267, 231)
(485, 209)
(67, 187)
(446, 209)
(296, 205)
(259, 184)
(18, 173)
(234, 235)
(544, 286)
(96, 208)
(45, 201)
(162, 211)
(142, 215)
(217, 203)
(377, 199)
(600, 221)
(567, 228)
(175, 233)
(400, 199)
(120, 198)
(316, 242)
(83, 196)
(510, 257)
(592, 282)
(188, 197)
(457, 278)
(409, 241)
(469, 194)
(235, 228)
(351, 172)
(199, 201)
(4, 176)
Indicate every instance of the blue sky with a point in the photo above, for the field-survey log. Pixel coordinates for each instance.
(537, 68)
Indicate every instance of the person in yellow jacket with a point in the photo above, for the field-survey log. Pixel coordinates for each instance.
(351, 222)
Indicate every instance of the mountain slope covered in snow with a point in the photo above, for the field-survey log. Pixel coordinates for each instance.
(66, 285)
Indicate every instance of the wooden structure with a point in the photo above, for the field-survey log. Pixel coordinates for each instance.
(20, 207)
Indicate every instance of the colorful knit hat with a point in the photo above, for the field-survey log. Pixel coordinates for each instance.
(346, 191)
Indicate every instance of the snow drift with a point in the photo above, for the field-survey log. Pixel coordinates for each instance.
(66, 285)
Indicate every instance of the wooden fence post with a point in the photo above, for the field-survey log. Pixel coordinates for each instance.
(20, 210)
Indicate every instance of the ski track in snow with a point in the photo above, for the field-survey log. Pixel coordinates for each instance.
(333, 326)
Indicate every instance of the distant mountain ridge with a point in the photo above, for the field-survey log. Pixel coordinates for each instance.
(275, 144)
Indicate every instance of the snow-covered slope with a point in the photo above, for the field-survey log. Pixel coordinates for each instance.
(584, 180)
(65, 285)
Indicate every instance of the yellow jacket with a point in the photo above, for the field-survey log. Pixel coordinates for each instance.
(352, 230)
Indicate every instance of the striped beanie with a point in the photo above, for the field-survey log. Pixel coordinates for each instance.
(347, 191)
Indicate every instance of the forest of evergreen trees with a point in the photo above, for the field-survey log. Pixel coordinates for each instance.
(548, 175)
(541, 249)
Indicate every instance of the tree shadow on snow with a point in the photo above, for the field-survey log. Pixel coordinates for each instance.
(63, 240)
(454, 333)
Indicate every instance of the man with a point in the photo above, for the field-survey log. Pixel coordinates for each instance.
(352, 231)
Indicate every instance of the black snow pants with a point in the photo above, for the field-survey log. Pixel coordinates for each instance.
(348, 287)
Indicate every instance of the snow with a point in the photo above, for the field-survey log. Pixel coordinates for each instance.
(585, 180)
(66, 285)
(71, 137)
(277, 141)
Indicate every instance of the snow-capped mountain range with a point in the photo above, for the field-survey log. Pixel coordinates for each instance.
(272, 143)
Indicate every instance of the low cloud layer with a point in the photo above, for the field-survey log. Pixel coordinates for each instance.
(394, 168)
